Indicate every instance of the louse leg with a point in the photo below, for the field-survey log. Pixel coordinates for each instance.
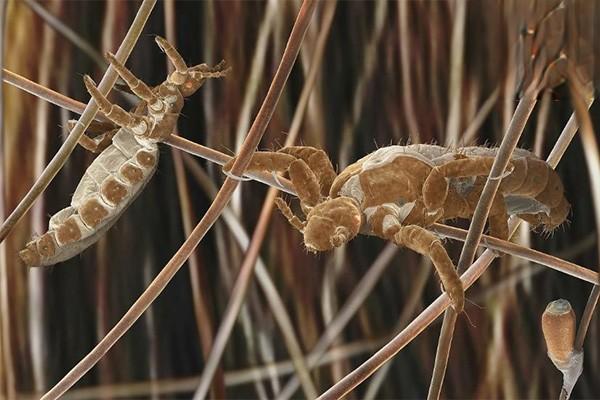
(135, 123)
(190, 78)
(103, 132)
(99, 143)
(265, 161)
(172, 54)
(95, 127)
(498, 218)
(279, 161)
(435, 188)
(287, 212)
(138, 87)
(422, 216)
(318, 161)
(305, 183)
(303, 178)
(103, 139)
(426, 243)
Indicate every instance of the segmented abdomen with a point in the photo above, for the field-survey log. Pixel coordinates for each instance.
(532, 190)
(108, 186)
(535, 193)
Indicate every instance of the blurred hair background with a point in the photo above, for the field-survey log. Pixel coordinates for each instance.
(447, 72)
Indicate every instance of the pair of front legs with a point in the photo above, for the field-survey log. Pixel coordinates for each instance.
(309, 169)
(118, 117)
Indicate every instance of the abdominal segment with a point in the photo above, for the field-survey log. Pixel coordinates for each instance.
(532, 190)
(108, 187)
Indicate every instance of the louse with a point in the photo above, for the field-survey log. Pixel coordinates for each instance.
(128, 158)
(398, 191)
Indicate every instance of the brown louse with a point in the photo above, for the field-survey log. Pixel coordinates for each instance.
(397, 191)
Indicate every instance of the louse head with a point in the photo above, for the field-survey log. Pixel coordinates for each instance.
(332, 223)
(188, 80)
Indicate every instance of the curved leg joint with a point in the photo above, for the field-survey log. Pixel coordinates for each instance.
(426, 243)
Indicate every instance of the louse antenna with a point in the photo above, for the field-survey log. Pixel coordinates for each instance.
(287, 212)
(218, 71)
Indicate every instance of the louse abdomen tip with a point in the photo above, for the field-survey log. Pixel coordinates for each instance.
(30, 258)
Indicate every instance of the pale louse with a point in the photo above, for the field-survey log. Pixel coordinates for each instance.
(127, 160)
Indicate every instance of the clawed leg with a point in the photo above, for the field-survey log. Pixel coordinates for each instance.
(106, 131)
(138, 87)
(426, 243)
(422, 216)
(306, 180)
(172, 54)
(435, 188)
(385, 224)
(498, 218)
(318, 161)
(104, 134)
(95, 127)
(305, 183)
(265, 161)
(99, 143)
(135, 123)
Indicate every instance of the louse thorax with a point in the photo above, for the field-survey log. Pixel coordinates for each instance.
(163, 114)
(332, 223)
(171, 98)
